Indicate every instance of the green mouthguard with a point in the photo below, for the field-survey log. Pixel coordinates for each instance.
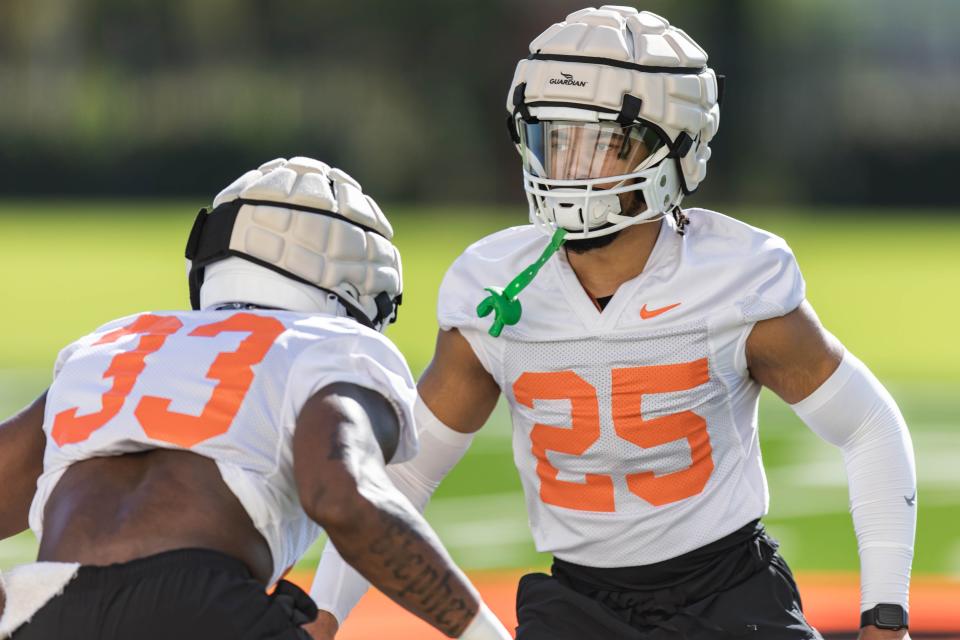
(503, 301)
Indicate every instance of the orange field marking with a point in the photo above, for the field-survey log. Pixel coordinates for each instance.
(831, 603)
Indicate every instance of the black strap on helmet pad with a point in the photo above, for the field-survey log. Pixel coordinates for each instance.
(620, 64)
(681, 146)
(519, 101)
(520, 107)
(629, 110)
(512, 128)
(209, 242)
(305, 208)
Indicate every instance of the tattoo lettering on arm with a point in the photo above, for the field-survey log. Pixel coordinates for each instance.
(418, 578)
(344, 487)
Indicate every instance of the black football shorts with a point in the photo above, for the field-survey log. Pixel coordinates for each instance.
(737, 587)
(186, 594)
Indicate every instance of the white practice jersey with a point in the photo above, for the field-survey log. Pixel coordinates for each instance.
(227, 385)
(634, 428)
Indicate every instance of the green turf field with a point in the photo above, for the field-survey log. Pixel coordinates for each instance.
(886, 286)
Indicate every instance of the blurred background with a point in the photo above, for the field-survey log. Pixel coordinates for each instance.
(851, 102)
(839, 131)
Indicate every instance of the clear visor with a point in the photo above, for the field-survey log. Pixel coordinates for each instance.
(566, 150)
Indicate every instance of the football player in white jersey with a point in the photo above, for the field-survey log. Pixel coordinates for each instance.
(181, 462)
(634, 365)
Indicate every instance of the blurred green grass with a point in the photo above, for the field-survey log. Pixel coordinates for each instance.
(884, 284)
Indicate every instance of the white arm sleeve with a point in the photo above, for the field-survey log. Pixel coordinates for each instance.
(337, 587)
(853, 411)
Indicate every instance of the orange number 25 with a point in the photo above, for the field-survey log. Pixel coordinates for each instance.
(232, 370)
(629, 387)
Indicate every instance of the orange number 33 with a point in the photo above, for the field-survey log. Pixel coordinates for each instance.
(629, 387)
(232, 370)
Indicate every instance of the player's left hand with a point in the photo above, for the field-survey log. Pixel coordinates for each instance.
(871, 632)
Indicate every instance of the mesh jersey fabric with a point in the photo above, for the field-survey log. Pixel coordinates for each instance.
(634, 428)
(302, 353)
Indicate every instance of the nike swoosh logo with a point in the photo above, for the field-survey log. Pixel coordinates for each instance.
(912, 500)
(646, 314)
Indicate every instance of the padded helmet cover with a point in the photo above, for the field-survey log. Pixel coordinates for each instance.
(312, 225)
(596, 57)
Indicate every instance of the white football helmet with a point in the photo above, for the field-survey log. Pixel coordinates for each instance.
(296, 235)
(609, 102)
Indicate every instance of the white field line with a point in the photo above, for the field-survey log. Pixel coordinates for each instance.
(465, 506)
(481, 522)
(816, 484)
(791, 505)
(484, 532)
(819, 464)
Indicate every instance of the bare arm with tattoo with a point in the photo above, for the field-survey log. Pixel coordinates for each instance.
(344, 435)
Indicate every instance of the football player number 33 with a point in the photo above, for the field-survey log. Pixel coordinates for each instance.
(629, 387)
(232, 371)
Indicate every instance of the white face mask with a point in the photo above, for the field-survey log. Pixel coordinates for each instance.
(574, 174)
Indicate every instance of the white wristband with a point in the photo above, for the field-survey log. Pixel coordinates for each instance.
(485, 626)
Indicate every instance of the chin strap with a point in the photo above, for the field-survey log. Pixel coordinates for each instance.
(503, 301)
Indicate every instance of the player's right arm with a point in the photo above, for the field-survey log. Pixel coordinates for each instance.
(343, 437)
(455, 386)
(22, 442)
(456, 397)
